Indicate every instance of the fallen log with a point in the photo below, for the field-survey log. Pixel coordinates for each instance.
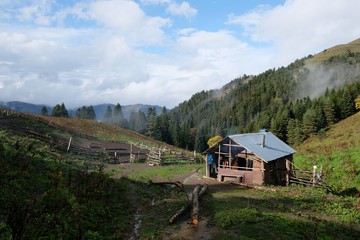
(193, 203)
(198, 191)
(182, 210)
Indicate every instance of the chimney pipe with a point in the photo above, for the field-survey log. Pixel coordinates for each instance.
(262, 141)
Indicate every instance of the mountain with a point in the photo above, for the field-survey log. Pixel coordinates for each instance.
(24, 107)
(127, 109)
(99, 109)
(294, 102)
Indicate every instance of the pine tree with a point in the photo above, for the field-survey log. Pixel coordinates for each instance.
(295, 135)
(108, 115)
(138, 122)
(118, 117)
(44, 111)
(200, 141)
(329, 111)
(347, 106)
(90, 112)
(151, 118)
(60, 111)
(309, 122)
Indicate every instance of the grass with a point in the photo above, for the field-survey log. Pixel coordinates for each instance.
(289, 213)
(338, 152)
(353, 46)
(106, 206)
(44, 198)
(164, 172)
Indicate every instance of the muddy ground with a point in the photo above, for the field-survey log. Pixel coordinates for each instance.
(186, 229)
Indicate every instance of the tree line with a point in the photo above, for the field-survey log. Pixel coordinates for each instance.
(268, 100)
(247, 104)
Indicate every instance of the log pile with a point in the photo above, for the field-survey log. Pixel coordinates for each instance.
(193, 203)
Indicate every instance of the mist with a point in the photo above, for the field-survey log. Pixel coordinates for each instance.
(314, 79)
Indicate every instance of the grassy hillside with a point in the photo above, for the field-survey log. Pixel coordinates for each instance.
(47, 192)
(341, 49)
(338, 152)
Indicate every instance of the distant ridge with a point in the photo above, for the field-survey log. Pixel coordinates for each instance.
(353, 46)
(99, 109)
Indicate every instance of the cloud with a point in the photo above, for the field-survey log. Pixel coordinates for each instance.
(37, 12)
(174, 8)
(300, 27)
(182, 9)
(91, 52)
(129, 20)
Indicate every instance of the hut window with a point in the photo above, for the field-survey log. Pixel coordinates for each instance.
(241, 163)
(249, 164)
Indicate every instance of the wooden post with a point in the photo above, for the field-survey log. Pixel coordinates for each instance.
(287, 172)
(230, 160)
(314, 175)
(69, 144)
(207, 167)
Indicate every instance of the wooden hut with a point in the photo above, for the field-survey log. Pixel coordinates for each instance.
(252, 158)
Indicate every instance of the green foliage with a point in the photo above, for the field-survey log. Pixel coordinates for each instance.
(44, 111)
(138, 122)
(293, 212)
(44, 198)
(268, 100)
(60, 111)
(108, 115)
(86, 113)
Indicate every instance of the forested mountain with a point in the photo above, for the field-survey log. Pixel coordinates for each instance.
(293, 102)
(99, 109)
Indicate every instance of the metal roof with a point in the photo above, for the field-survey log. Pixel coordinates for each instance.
(273, 147)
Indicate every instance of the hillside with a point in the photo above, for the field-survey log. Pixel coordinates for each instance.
(293, 102)
(49, 192)
(338, 152)
(341, 49)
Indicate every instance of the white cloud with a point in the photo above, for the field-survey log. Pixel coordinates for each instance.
(129, 20)
(301, 27)
(37, 12)
(116, 52)
(174, 8)
(182, 9)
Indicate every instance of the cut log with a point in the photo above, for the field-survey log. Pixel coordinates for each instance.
(193, 203)
(182, 210)
(198, 191)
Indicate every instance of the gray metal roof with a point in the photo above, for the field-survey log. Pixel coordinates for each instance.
(273, 148)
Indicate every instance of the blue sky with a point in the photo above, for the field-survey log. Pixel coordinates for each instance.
(156, 51)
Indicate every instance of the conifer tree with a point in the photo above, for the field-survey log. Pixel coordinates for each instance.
(108, 115)
(44, 111)
(309, 122)
(60, 111)
(118, 118)
(347, 106)
(329, 111)
(200, 141)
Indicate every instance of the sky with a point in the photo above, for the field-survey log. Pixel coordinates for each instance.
(157, 52)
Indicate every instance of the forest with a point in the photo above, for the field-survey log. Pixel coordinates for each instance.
(270, 100)
(293, 102)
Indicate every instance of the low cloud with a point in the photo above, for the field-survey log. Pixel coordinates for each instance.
(320, 77)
